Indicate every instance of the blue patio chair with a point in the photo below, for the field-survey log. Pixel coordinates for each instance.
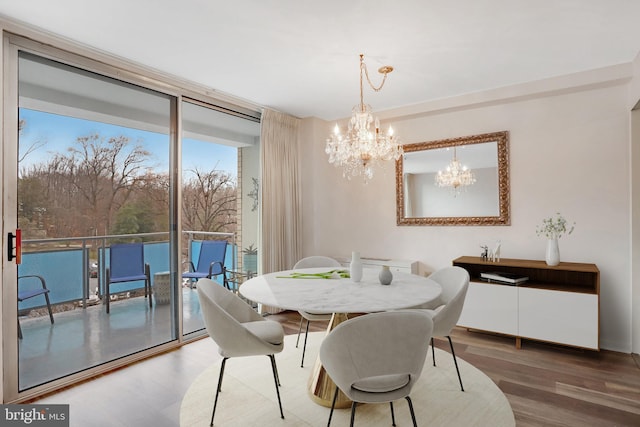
(126, 264)
(210, 262)
(34, 292)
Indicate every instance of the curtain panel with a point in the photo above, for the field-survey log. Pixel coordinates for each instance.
(281, 228)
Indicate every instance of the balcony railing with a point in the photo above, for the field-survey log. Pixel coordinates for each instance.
(66, 263)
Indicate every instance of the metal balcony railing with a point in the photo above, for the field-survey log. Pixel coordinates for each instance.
(75, 267)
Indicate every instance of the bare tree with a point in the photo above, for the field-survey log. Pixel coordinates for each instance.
(209, 202)
(105, 172)
(85, 187)
(101, 183)
(34, 145)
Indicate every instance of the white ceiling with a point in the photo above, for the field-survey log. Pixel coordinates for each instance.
(301, 56)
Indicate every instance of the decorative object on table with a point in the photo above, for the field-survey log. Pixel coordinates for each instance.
(553, 229)
(332, 274)
(250, 259)
(485, 253)
(355, 268)
(385, 276)
(362, 147)
(494, 255)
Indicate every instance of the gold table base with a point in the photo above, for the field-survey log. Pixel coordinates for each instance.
(321, 387)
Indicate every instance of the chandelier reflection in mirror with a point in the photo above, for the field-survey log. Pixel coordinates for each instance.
(456, 176)
(363, 146)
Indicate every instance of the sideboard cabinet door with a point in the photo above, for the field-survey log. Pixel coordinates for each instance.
(561, 317)
(491, 307)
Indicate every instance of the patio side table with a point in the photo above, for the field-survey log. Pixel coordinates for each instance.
(162, 287)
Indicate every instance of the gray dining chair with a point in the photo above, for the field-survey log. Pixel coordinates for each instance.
(377, 358)
(311, 262)
(446, 311)
(238, 330)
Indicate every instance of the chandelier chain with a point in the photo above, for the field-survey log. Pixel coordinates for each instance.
(366, 73)
(364, 144)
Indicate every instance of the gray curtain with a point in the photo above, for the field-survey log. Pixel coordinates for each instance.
(280, 192)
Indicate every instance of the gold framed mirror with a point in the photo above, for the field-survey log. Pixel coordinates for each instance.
(458, 181)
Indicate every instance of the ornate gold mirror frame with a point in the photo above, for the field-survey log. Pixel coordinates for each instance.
(495, 144)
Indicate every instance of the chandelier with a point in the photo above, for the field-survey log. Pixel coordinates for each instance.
(456, 176)
(363, 146)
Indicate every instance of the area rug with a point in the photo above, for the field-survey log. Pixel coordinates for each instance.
(248, 396)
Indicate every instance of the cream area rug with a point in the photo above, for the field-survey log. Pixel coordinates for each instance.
(248, 396)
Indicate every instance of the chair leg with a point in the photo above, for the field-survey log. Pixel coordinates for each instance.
(433, 352)
(46, 297)
(333, 405)
(215, 402)
(107, 294)
(304, 347)
(147, 284)
(456, 362)
(353, 413)
(276, 380)
(107, 297)
(393, 415)
(413, 414)
(299, 331)
(277, 373)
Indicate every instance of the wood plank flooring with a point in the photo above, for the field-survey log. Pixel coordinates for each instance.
(546, 385)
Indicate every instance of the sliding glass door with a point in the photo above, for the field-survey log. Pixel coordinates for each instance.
(92, 179)
(212, 202)
(111, 185)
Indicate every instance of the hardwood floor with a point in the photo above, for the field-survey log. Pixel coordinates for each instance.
(546, 385)
(549, 385)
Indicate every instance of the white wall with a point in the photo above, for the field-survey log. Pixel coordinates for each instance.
(635, 225)
(633, 100)
(569, 152)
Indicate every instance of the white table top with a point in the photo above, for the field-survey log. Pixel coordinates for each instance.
(340, 295)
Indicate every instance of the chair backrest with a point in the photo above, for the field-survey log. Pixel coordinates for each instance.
(212, 251)
(317, 261)
(377, 345)
(223, 313)
(454, 282)
(126, 260)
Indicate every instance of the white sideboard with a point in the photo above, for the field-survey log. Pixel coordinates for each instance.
(404, 266)
(557, 304)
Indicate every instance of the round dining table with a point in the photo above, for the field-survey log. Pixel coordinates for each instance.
(310, 290)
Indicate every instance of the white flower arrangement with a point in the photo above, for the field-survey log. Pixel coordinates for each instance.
(554, 228)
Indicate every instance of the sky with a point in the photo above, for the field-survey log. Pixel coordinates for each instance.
(60, 132)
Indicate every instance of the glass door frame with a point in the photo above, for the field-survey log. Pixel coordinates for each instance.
(8, 168)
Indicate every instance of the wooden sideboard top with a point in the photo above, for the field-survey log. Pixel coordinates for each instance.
(525, 263)
(566, 276)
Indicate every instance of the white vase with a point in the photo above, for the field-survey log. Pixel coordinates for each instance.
(553, 252)
(355, 268)
(385, 276)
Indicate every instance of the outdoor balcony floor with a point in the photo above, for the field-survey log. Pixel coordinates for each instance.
(84, 338)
